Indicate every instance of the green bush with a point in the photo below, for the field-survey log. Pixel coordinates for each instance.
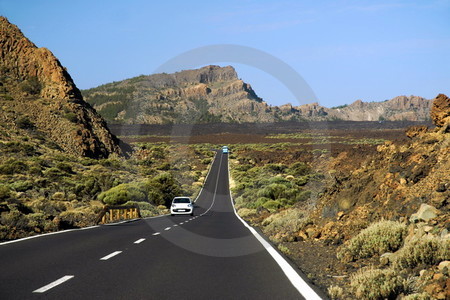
(13, 167)
(21, 186)
(378, 238)
(5, 192)
(65, 167)
(428, 250)
(162, 189)
(298, 169)
(376, 284)
(123, 193)
(72, 117)
(272, 205)
(289, 220)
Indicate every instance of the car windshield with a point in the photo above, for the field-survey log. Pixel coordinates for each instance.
(181, 200)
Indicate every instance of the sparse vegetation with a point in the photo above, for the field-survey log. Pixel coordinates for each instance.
(375, 284)
(429, 250)
(378, 238)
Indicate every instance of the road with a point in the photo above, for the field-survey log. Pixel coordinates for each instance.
(212, 255)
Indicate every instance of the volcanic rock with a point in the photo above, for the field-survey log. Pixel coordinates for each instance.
(36, 87)
(440, 111)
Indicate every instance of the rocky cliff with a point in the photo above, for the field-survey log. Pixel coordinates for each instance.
(36, 89)
(216, 94)
(209, 94)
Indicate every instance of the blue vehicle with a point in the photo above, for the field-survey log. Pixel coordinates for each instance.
(225, 149)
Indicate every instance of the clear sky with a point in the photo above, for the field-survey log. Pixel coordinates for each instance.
(345, 50)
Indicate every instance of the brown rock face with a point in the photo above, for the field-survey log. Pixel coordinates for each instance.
(42, 90)
(21, 59)
(440, 111)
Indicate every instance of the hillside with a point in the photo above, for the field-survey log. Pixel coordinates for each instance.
(37, 95)
(216, 94)
(378, 217)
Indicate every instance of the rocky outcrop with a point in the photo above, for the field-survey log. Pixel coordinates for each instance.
(440, 112)
(174, 98)
(34, 85)
(22, 60)
(208, 94)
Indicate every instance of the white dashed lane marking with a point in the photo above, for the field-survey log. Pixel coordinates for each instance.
(53, 284)
(110, 255)
(139, 241)
(156, 233)
(167, 228)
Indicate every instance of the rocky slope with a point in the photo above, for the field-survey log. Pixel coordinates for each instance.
(407, 183)
(209, 94)
(216, 94)
(37, 94)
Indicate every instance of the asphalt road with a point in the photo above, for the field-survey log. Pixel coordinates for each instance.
(212, 255)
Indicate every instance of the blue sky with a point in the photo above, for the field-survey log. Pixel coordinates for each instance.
(345, 50)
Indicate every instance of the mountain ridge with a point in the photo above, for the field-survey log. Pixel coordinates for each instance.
(217, 94)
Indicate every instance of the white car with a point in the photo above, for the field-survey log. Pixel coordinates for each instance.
(225, 149)
(182, 206)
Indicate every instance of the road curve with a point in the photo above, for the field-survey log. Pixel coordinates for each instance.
(212, 255)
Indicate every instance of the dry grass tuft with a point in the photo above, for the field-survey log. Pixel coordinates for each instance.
(378, 238)
(370, 283)
(429, 250)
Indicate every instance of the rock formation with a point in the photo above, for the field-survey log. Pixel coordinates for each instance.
(440, 111)
(34, 85)
(216, 94)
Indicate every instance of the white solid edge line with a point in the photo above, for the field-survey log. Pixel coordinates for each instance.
(110, 255)
(139, 241)
(302, 287)
(53, 284)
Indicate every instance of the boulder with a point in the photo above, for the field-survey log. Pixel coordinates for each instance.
(440, 111)
(425, 213)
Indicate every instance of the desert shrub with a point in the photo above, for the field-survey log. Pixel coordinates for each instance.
(272, 205)
(298, 169)
(378, 238)
(18, 147)
(246, 212)
(146, 209)
(36, 220)
(162, 189)
(21, 185)
(72, 117)
(24, 123)
(428, 250)
(289, 220)
(206, 161)
(123, 193)
(335, 292)
(12, 167)
(376, 284)
(5, 192)
(417, 296)
(275, 168)
(65, 167)
(77, 218)
(14, 219)
(54, 173)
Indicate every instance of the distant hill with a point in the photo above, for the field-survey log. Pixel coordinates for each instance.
(216, 94)
(38, 97)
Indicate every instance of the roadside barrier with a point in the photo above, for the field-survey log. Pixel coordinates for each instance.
(116, 213)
